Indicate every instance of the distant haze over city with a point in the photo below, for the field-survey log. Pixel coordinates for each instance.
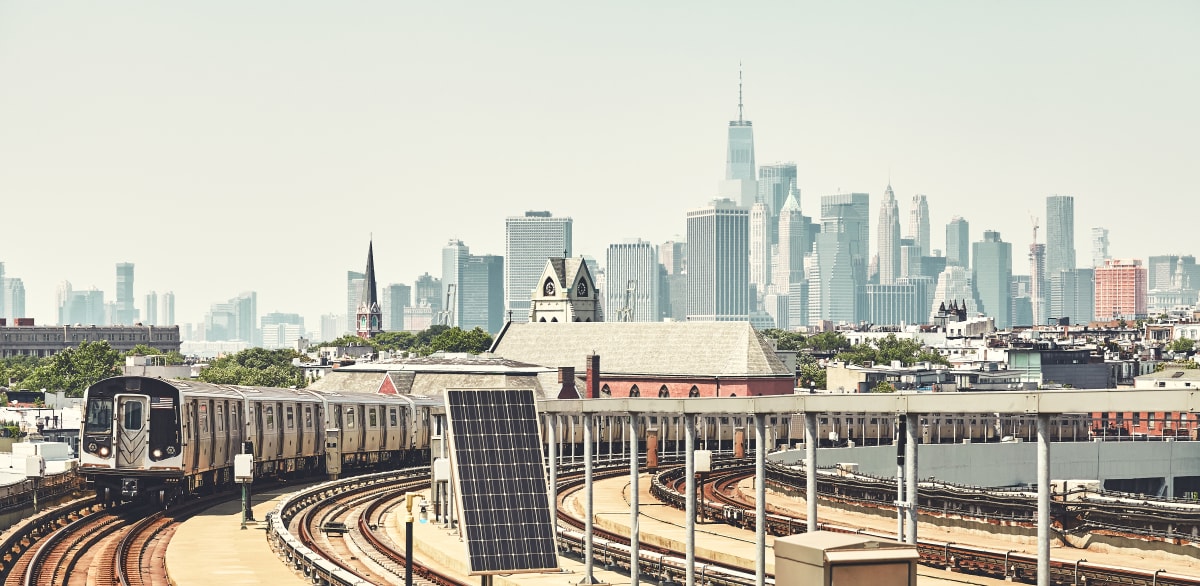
(224, 147)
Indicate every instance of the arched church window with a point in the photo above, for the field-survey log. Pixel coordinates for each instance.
(548, 287)
(581, 290)
(694, 391)
(663, 391)
(634, 391)
(605, 391)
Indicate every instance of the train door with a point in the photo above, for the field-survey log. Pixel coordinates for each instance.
(133, 435)
(258, 431)
(220, 438)
(279, 432)
(194, 433)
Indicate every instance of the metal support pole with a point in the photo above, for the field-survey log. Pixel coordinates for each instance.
(408, 550)
(760, 499)
(810, 468)
(910, 477)
(588, 555)
(1043, 488)
(901, 434)
(689, 430)
(552, 440)
(634, 493)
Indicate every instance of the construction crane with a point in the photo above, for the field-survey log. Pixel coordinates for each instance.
(626, 311)
(446, 316)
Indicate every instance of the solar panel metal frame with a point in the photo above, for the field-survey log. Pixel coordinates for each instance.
(500, 481)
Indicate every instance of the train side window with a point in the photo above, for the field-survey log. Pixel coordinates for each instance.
(308, 418)
(220, 417)
(350, 420)
(392, 421)
(824, 421)
(291, 417)
(203, 418)
(133, 415)
(373, 418)
(269, 417)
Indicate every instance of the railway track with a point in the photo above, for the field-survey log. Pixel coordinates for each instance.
(723, 502)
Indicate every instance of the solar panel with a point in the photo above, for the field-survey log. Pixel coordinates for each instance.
(496, 452)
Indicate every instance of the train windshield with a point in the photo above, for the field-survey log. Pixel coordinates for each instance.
(99, 416)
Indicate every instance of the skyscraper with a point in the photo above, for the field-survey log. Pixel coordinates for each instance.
(1121, 288)
(1037, 282)
(14, 297)
(958, 243)
(124, 311)
(842, 250)
(774, 184)
(740, 185)
(354, 284)
(529, 241)
(760, 250)
(793, 246)
(396, 297)
(918, 224)
(454, 262)
(889, 238)
(233, 320)
(1099, 246)
(427, 292)
(954, 284)
(281, 330)
(166, 309)
(632, 271)
(151, 318)
(672, 255)
(481, 293)
(991, 273)
(1060, 234)
(718, 283)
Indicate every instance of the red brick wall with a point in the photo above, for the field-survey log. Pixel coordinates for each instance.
(649, 387)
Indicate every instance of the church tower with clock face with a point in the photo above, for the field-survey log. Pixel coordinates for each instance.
(369, 319)
(566, 292)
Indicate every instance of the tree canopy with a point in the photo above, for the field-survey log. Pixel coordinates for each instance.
(824, 342)
(886, 350)
(437, 338)
(255, 367)
(1181, 345)
(71, 370)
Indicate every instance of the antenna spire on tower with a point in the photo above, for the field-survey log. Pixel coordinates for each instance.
(739, 91)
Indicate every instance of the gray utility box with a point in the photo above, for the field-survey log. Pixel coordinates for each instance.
(824, 558)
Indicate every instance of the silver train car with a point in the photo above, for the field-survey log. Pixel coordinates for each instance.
(844, 428)
(155, 438)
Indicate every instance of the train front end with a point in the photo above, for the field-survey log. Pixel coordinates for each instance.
(131, 444)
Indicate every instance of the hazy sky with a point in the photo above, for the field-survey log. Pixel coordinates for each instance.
(231, 146)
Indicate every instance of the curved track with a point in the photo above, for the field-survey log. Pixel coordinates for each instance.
(724, 501)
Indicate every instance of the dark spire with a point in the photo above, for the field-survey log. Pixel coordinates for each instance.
(368, 296)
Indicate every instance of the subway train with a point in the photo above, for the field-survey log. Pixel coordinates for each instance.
(150, 438)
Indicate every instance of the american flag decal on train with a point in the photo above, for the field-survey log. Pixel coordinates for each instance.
(161, 403)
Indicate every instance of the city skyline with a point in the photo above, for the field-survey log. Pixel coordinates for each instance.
(240, 132)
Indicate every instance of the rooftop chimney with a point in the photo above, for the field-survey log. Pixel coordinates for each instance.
(593, 376)
(566, 378)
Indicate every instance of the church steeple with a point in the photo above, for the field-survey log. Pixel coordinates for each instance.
(370, 315)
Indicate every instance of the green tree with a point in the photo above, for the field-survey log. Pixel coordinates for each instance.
(75, 369)
(812, 375)
(394, 341)
(458, 340)
(828, 342)
(143, 350)
(883, 387)
(889, 349)
(255, 367)
(785, 340)
(1181, 345)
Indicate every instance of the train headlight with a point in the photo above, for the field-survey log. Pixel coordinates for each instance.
(104, 452)
(157, 453)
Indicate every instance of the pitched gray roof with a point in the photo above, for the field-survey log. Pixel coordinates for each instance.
(662, 348)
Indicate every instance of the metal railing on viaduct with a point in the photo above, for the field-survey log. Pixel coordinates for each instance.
(1043, 405)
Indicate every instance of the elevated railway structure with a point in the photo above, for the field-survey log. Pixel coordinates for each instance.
(911, 408)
